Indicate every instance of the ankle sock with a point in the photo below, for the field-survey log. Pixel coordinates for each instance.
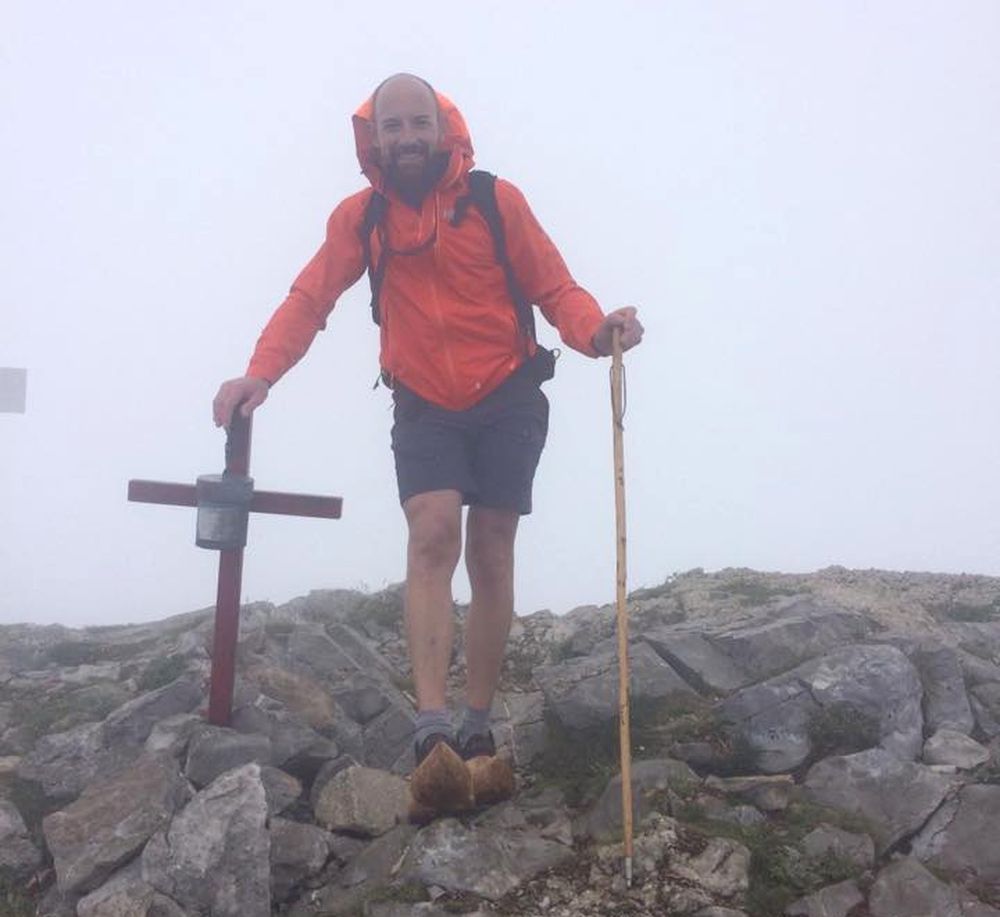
(474, 722)
(430, 721)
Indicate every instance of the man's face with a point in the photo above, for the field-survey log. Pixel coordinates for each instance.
(407, 132)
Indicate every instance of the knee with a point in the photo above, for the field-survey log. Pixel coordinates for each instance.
(434, 543)
(489, 556)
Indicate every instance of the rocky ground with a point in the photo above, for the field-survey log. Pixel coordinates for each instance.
(824, 745)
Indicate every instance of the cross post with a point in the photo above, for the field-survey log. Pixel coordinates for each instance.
(13, 389)
(227, 601)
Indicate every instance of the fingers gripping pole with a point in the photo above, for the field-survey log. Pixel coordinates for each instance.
(624, 731)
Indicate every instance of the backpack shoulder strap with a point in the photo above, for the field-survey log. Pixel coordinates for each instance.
(482, 193)
(374, 213)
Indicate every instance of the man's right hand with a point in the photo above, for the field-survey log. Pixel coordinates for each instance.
(248, 391)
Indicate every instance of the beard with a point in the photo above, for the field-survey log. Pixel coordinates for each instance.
(414, 169)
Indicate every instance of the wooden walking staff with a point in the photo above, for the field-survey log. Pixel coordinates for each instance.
(224, 503)
(624, 730)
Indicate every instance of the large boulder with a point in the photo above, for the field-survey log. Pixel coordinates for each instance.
(583, 692)
(215, 855)
(906, 889)
(788, 635)
(961, 838)
(896, 797)
(361, 800)
(486, 862)
(946, 704)
(112, 820)
(19, 857)
(779, 716)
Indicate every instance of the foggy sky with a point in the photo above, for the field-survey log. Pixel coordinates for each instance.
(803, 200)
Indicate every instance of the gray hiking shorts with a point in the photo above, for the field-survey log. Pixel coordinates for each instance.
(488, 452)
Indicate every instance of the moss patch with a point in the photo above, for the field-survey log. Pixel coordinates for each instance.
(161, 671)
(780, 872)
(841, 729)
(752, 592)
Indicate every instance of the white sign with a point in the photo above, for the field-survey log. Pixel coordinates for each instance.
(13, 390)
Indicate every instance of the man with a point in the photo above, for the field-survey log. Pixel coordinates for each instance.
(470, 419)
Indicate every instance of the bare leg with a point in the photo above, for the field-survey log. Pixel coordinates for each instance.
(489, 557)
(435, 524)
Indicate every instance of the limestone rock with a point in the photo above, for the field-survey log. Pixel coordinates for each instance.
(19, 857)
(789, 635)
(947, 746)
(584, 692)
(877, 681)
(486, 863)
(172, 735)
(986, 707)
(896, 796)
(956, 838)
(770, 793)
(280, 789)
(906, 889)
(112, 820)
(298, 851)
(361, 800)
(213, 750)
(697, 660)
(215, 856)
(833, 901)
(125, 894)
(828, 840)
(946, 704)
(722, 868)
(651, 779)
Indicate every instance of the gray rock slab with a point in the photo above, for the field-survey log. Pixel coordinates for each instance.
(947, 746)
(65, 762)
(485, 862)
(774, 718)
(363, 801)
(956, 839)
(374, 864)
(583, 692)
(697, 660)
(280, 789)
(651, 779)
(946, 704)
(215, 856)
(770, 793)
(19, 857)
(132, 723)
(125, 894)
(904, 888)
(171, 735)
(721, 868)
(362, 696)
(985, 700)
(793, 633)
(298, 851)
(894, 795)
(878, 681)
(112, 820)
(519, 725)
(833, 901)
(389, 736)
(213, 750)
(295, 746)
(828, 840)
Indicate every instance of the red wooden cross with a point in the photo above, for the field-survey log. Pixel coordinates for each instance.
(227, 602)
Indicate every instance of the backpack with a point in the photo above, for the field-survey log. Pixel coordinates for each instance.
(482, 194)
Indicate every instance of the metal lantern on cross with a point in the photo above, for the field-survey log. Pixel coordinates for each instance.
(224, 504)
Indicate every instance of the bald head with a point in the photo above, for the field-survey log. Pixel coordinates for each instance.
(407, 132)
(405, 83)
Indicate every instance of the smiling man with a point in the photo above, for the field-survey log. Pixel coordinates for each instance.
(456, 262)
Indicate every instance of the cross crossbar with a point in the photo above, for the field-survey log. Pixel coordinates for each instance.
(227, 602)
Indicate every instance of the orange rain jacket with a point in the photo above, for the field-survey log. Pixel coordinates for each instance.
(449, 330)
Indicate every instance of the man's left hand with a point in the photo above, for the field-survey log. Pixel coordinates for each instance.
(625, 319)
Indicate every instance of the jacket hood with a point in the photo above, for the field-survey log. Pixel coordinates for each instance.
(456, 141)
